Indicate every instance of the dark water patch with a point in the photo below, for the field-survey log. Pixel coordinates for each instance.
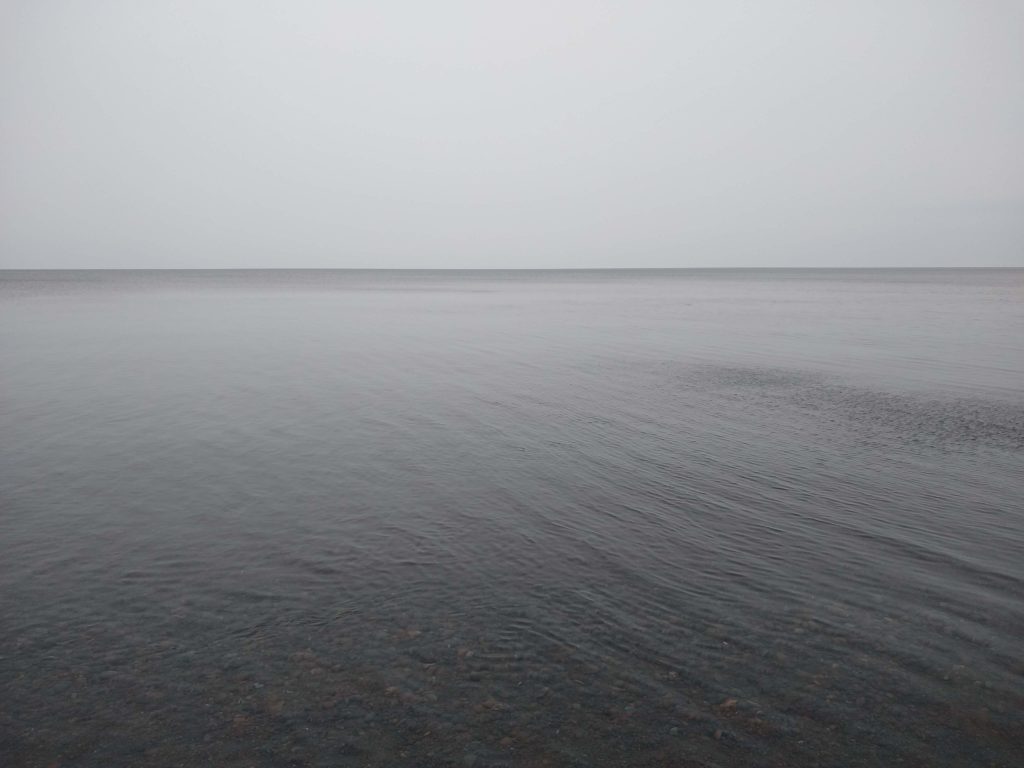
(945, 422)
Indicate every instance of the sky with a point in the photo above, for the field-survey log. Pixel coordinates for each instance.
(232, 133)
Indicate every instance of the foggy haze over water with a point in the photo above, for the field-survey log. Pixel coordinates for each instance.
(458, 134)
(481, 385)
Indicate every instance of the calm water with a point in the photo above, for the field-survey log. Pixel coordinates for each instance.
(769, 518)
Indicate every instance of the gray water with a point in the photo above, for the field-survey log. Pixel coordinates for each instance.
(681, 518)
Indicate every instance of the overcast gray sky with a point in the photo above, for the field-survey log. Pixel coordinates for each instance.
(255, 133)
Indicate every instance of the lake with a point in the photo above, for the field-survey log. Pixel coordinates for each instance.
(580, 518)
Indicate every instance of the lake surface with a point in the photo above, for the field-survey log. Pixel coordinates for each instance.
(686, 518)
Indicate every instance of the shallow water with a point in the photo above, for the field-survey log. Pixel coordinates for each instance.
(511, 518)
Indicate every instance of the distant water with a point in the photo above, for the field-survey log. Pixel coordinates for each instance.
(752, 518)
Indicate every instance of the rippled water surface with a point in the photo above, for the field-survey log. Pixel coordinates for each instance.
(500, 519)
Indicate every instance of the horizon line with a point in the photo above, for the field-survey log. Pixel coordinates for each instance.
(494, 269)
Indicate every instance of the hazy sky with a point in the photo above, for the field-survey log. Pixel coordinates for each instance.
(254, 133)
